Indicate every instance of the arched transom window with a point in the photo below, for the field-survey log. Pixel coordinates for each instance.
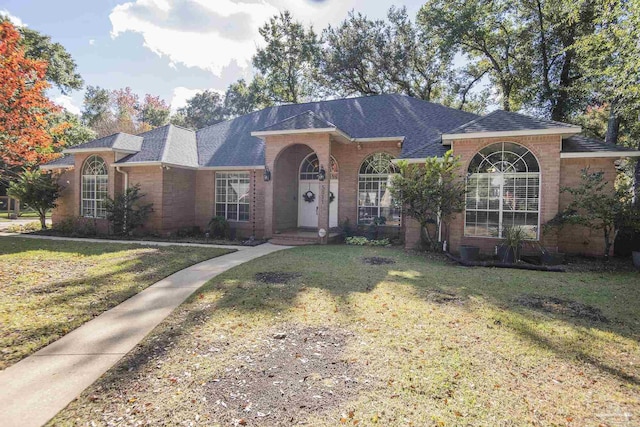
(94, 187)
(311, 166)
(503, 190)
(374, 197)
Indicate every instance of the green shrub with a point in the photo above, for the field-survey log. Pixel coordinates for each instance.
(363, 241)
(125, 213)
(219, 228)
(77, 227)
(24, 228)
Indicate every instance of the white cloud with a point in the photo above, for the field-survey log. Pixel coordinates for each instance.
(67, 103)
(92, 42)
(14, 19)
(181, 94)
(211, 35)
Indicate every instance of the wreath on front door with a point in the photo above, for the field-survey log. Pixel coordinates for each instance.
(309, 196)
(331, 197)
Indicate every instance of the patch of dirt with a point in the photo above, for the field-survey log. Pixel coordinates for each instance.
(376, 260)
(287, 379)
(562, 306)
(280, 277)
(443, 297)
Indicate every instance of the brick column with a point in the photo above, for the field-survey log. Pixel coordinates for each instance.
(323, 151)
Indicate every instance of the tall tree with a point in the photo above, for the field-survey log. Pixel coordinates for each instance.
(553, 26)
(120, 110)
(490, 35)
(62, 69)
(203, 109)
(242, 98)
(288, 60)
(27, 137)
(367, 57)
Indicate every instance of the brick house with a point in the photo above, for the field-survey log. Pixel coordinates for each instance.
(287, 172)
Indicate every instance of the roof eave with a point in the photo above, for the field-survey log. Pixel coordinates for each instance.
(99, 150)
(154, 163)
(54, 167)
(569, 130)
(264, 133)
(595, 154)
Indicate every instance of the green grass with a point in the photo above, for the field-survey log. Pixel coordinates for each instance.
(430, 343)
(48, 288)
(4, 217)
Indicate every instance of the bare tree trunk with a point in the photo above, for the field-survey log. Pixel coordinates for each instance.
(613, 125)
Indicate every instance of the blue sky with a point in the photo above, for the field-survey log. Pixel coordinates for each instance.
(171, 48)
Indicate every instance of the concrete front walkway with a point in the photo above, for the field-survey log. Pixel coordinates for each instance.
(35, 389)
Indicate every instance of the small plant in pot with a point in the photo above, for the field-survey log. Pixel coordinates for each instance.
(509, 250)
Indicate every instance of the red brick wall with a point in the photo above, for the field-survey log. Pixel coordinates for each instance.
(576, 239)
(546, 148)
(65, 208)
(205, 186)
(178, 199)
(150, 179)
(349, 158)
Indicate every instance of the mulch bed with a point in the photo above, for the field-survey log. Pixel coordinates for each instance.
(276, 277)
(297, 372)
(376, 260)
(561, 306)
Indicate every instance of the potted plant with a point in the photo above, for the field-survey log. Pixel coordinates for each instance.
(509, 249)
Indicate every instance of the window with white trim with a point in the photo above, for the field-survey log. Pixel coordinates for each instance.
(232, 195)
(374, 196)
(94, 189)
(503, 190)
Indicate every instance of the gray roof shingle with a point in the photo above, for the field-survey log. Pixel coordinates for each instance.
(65, 161)
(420, 123)
(586, 144)
(305, 120)
(504, 121)
(117, 141)
(167, 144)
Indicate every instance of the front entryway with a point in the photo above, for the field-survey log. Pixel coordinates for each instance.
(309, 190)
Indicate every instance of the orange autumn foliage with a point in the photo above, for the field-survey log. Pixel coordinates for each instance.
(26, 136)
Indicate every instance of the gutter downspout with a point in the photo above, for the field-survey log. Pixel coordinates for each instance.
(126, 177)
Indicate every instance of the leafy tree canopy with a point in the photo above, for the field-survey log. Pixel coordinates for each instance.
(38, 190)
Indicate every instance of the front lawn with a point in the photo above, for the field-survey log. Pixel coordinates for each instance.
(48, 288)
(339, 335)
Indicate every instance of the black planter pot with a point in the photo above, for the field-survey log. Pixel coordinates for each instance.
(506, 254)
(469, 253)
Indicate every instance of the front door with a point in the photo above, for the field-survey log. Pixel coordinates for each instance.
(308, 203)
(309, 193)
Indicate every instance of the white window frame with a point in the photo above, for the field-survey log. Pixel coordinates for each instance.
(90, 196)
(501, 178)
(230, 178)
(380, 178)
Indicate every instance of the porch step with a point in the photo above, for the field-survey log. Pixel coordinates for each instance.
(300, 238)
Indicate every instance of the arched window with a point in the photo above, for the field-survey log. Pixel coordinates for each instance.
(94, 187)
(374, 197)
(311, 166)
(503, 190)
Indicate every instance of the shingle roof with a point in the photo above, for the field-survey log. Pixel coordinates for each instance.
(420, 123)
(117, 141)
(65, 161)
(169, 144)
(586, 144)
(305, 120)
(504, 121)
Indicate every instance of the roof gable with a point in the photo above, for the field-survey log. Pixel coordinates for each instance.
(507, 122)
(120, 141)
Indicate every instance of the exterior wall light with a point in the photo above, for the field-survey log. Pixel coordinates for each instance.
(267, 174)
(322, 174)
